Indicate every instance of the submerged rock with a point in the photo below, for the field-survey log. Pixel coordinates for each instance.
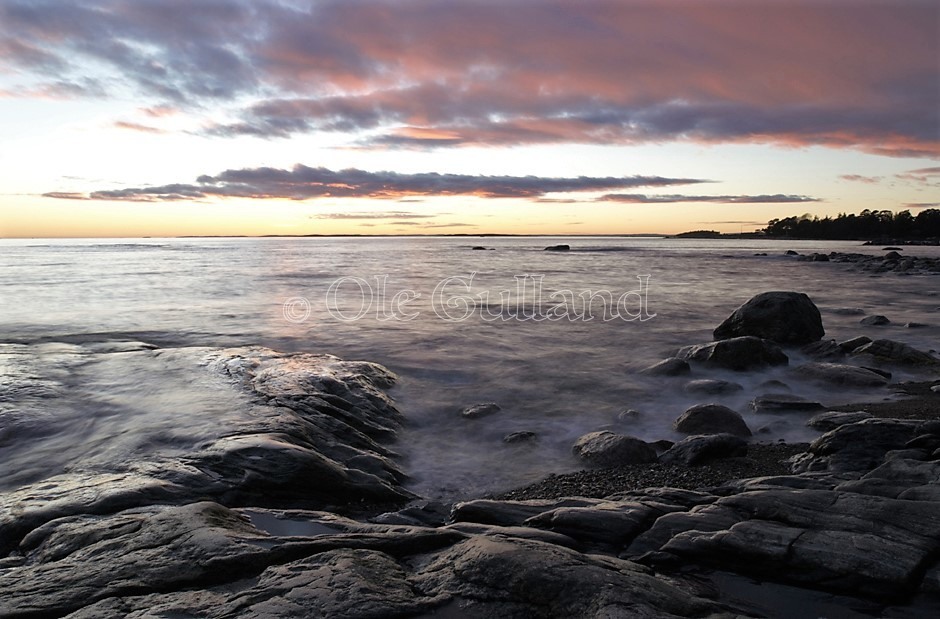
(558, 248)
(776, 402)
(781, 317)
(841, 374)
(711, 419)
(874, 321)
(711, 386)
(895, 352)
(668, 367)
(739, 353)
(606, 448)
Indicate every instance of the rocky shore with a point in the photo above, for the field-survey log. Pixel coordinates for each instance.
(300, 507)
(893, 261)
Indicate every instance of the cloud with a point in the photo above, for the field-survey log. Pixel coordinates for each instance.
(65, 195)
(303, 183)
(373, 215)
(137, 127)
(920, 205)
(422, 74)
(639, 198)
(921, 175)
(858, 178)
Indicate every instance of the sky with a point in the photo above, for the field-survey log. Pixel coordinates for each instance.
(128, 118)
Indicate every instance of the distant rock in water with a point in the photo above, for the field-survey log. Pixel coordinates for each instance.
(874, 321)
(606, 448)
(738, 353)
(558, 248)
(478, 248)
(776, 402)
(520, 437)
(711, 386)
(480, 410)
(781, 317)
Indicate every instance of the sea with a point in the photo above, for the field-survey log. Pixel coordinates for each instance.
(556, 338)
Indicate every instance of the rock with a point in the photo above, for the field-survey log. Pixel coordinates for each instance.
(520, 437)
(892, 255)
(711, 419)
(895, 352)
(840, 541)
(819, 258)
(935, 388)
(511, 513)
(915, 325)
(668, 367)
(854, 343)
(694, 450)
(781, 317)
(833, 419)
(874, 321)
(606, 449)
(520, 578)
(790, 252)
(628, 416)
(611, 524)
(711, 386)
(480, 410)
(892, 249)
(841, 374)
(478, 248)
(777, 402)
(558, 248)
(739, 353)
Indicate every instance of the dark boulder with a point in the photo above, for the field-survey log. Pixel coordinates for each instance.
(777, 402)
(480, 410)
(697, 449)
(606, 448)
(874, 321)
(711, 419)
(841, 374)
(711, 386)
(558, 248)
(782, 317)
(895, 352)
(739, 353)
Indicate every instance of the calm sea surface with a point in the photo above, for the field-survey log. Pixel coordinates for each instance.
(507, 325)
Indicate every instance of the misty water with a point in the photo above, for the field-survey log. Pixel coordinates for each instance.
(98, 369)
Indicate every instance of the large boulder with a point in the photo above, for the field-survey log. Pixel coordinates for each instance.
(841, 374)
(711, 419)
(739, 353)
(606, 448)
(782, 317)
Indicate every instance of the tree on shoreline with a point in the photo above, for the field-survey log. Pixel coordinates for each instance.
(866, 225)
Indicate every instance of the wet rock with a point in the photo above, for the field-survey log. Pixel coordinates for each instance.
(711, 419)
(876, 320)
(75, 561)
(480, 410)
(816, 257)
(841, 374)
(697, 449)
(893, 255)
(895, 352)
(711, 386)
(739, 354)
(606, 448)
(612, 524)
(558, 248)
(833, 419)
(776, 402)
(478, 248)
(781, 317)
(854, 343)
(511, 513)
(915, 325)
(847, 311)
(668, 367)
(790, 252)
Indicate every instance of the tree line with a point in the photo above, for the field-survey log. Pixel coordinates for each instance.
(866, 225)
